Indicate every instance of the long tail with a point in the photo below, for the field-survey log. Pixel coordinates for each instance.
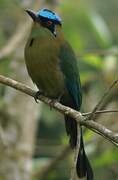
(83, 166)
(71, 129)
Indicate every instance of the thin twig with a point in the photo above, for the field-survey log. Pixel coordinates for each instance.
(100, 112)
(91, 116)
(98, 128)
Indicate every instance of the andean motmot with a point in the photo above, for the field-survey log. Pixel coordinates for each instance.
(52, 66)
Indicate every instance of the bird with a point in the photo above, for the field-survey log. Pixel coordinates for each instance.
(52, 65)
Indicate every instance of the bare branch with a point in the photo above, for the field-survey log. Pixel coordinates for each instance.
(98, 128)
(102, 99)
(100, 112)
(102, 130)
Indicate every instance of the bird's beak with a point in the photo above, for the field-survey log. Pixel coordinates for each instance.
(32, 14)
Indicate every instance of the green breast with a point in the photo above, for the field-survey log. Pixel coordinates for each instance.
(41, 56)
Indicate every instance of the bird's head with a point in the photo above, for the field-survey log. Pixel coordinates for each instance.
(46, 18)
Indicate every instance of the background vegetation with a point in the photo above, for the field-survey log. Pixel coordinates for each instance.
(33, 135)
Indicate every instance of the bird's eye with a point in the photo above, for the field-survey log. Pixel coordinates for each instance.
(49, 23)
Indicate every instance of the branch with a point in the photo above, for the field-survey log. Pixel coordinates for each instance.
(100, 112)
(111, 97)
(98, 128)
(91, 116)
(102, 130)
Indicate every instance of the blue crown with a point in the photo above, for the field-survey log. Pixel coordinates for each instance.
(49, 14)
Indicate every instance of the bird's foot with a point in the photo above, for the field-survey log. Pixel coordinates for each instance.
(38, 93)
(52, 102)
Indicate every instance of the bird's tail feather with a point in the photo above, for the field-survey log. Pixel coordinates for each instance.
(83, 166)
(71, 129)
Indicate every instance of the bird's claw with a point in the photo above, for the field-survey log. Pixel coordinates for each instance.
(38, 93)
(52, 102)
